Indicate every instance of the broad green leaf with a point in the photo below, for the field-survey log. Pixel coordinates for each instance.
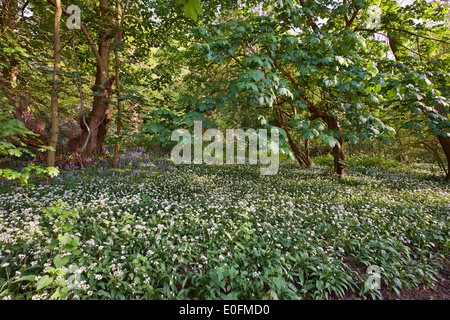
(60, 261)
(64, 239)
(44, 282)
(53, 244)
(26, 278)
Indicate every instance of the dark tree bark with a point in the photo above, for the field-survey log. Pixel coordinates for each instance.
(92, 138)
(117, 40)
(445, 143)
(308, 151)
(301, 158)
(119, 104)
(340, 164)
(98, 117)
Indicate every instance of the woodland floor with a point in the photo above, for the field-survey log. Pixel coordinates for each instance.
(154, 230)
(422, 292)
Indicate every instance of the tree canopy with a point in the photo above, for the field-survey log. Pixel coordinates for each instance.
(327, 73)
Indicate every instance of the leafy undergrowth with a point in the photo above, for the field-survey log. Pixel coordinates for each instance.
(159, 231)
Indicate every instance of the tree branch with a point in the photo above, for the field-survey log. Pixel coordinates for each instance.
(401, 30)
(85, 32)
(349, 22)
(311, 107)
(311, 22)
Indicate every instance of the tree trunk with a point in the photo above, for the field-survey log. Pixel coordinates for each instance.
(445, 143)
(119, 112)
(301, 159)
(117, 40)
(98, 118)
(54, 93)
(340, 165)
(94, 126)
(308, 152)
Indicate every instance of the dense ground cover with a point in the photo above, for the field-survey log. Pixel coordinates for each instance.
(156, 230)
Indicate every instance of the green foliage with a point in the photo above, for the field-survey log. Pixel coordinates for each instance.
(65, 218)
(377, 162)
(192, 8)
(153, 230)
(325, 159)
(56, 280)
(280, 57)
(362, 162)
(11, 145)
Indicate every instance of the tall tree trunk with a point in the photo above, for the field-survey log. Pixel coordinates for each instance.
(98, 118)
(119, 113)
(54, 93)
(119, 104)
(307, 151)
(445, 143)
(340, 164)
(117, 40)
